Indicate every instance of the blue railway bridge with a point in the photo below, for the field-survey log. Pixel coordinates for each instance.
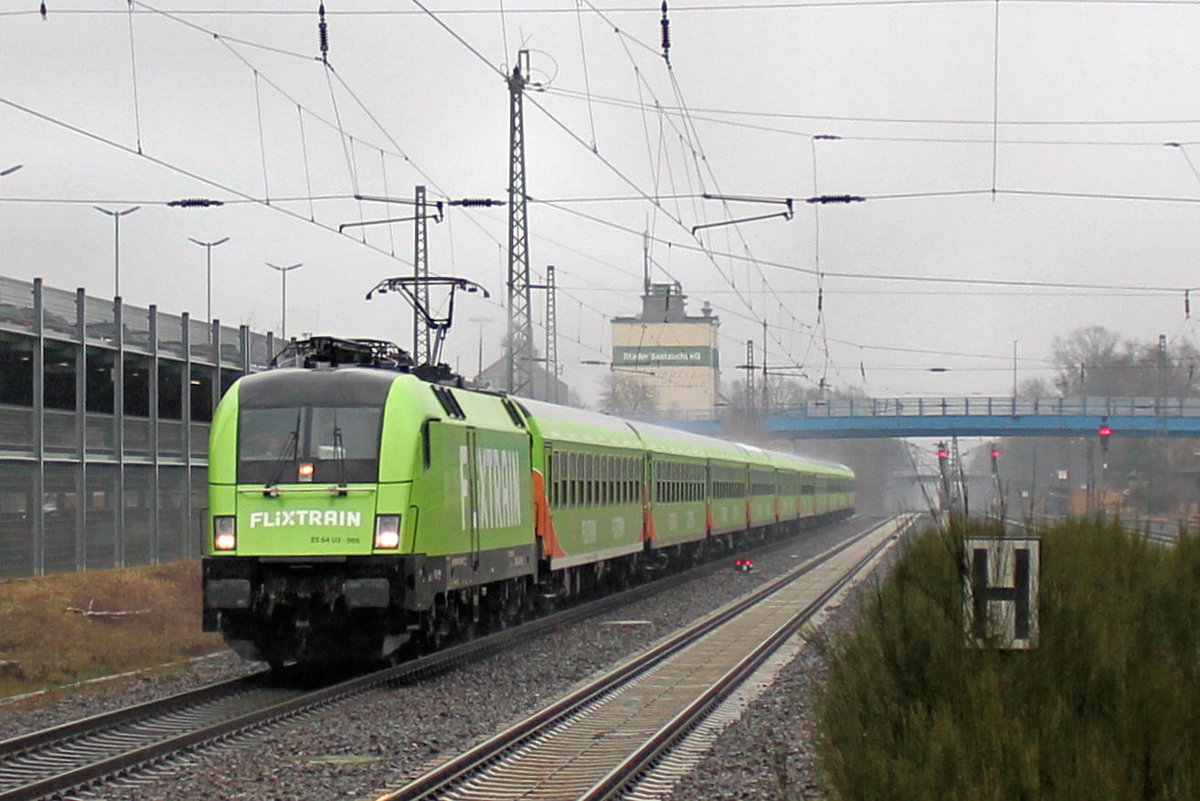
(976, 417)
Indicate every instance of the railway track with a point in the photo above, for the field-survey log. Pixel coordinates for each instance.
(594, 743)
(51, 760)
(122, 742)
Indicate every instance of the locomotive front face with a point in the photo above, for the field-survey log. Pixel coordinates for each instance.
(307, 480)
(296, 467)
(308, 493)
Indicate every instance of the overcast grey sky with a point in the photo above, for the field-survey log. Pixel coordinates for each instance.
(1080, 99)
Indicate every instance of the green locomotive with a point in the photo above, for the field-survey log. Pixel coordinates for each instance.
(357, 509)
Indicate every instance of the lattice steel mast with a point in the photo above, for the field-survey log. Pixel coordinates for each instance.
(422, 349)
(551, 360)
(552, 338)
(519, 366)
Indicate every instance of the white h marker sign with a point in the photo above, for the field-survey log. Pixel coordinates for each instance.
(1000, 592)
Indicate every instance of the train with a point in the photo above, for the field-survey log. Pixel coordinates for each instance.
(362, 510)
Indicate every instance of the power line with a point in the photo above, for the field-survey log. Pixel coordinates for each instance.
(896, 120)
(723, 8)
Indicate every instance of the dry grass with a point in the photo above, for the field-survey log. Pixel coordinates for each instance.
(53, 646)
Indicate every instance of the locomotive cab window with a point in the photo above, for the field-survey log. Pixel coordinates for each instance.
(340, 442)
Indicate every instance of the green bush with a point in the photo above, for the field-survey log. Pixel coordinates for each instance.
(1106, 707)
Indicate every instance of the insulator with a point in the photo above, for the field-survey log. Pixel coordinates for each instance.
(666, 32)
(191, 202)
(43, 10)
(1187, 304)
(478, 201)
(323, 32)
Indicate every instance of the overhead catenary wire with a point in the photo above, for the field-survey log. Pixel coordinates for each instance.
(137, 114)
(748, 289)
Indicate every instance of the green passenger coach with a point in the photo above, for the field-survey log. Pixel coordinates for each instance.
(360, 512)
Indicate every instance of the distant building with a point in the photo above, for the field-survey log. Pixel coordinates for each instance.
(674, 354)
(542, 386)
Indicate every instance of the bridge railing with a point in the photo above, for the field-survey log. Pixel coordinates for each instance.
(975, 406)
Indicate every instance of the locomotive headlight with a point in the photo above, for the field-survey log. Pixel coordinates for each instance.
(225, 533)
(387, 532)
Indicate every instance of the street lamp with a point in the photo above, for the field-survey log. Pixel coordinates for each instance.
(208, 246)
(283, 271)
(117, 215)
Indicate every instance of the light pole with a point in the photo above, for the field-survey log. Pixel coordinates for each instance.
(283, 271)
(117, 215)
(208, 246)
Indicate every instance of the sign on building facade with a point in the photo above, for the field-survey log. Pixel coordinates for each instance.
(670, 351)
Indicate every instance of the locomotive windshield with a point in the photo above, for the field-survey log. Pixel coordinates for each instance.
(340, 442)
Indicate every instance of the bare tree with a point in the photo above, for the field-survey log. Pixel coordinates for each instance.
(627, 395)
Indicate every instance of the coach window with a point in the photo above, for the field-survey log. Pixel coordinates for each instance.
(585, 462)
(581, 463)
(604, 480)
(563, 479)
(597, 479)
(577, 479)
(600, 497)
(609, 496)
(555, 479)
(601, 479)
(569, 478)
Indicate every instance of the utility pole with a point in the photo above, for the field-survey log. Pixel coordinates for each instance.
(765, 396)
(519, 367)
(1015, 376)
(646, 262)
(421, 348)
(750, 377)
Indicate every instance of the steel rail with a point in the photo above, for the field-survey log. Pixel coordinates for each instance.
(641, 760)
(458, 769)
(105, 723)
(24, 743)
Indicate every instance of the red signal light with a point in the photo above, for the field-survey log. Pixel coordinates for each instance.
(995, 453)
(1105, 431)
(943, 454)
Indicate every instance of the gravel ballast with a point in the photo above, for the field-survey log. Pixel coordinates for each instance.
(359, 749)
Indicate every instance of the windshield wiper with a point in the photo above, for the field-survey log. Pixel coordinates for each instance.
(339, 450)
(291, 446)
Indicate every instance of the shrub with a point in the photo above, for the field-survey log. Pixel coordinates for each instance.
(1107, 706)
